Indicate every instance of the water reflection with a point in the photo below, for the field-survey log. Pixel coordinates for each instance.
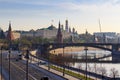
(99, 68)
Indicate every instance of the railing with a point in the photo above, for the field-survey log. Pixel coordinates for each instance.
(36, 59)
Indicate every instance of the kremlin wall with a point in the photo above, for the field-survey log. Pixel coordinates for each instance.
(50, 32)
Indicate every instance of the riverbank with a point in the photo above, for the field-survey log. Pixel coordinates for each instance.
(70, 50)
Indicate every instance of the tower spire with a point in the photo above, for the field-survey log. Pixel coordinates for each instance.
(59, 34)
(10, 26)
(10, 34)
(66, 25)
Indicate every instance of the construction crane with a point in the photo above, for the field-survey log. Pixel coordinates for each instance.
(99, 25)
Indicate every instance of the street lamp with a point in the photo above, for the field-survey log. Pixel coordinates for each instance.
(50, 47)
(1, 62)
(63, 63)
(27, 58)
(48, 61)
(86, 60)
(9, 61)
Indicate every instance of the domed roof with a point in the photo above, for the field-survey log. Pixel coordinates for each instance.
(51, 27)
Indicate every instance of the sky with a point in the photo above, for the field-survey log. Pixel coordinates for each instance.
(81, 14)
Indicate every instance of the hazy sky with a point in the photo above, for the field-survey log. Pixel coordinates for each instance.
(81, 14)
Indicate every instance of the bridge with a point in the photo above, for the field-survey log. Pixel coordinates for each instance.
(45, 48)
(112, 47)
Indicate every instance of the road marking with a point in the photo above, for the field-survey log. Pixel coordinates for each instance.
(23, 71)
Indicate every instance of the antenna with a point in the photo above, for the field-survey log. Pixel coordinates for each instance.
(99, 25)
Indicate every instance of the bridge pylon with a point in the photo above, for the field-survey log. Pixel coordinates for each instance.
(115, 52)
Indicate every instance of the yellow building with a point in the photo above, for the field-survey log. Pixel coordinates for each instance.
(49, 32)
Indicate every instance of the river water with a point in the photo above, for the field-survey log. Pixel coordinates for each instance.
(98, 67)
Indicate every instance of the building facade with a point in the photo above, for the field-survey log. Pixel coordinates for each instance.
(49, 32)
(105, 37)
(11, 35)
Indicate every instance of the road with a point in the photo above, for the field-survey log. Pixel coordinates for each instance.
(18, 70)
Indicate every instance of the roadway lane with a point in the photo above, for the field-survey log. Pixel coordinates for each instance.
(18, 70)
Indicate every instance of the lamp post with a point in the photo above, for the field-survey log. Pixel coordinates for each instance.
(86, 60)
(48, 61)
(1, 62)
(50, 47)
(63, 63)
(9, 61)
(27, 58)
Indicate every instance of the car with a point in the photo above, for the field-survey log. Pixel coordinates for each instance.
(44, 78)
(43, 63)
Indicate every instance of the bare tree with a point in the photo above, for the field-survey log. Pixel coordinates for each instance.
(114, 73)
(103, 72)
(95, 66)
(80, 66)
(89, 69)
(96, 69)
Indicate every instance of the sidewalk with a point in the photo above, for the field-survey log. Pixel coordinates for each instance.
(35, 62)
(4, 74)
(59, 73)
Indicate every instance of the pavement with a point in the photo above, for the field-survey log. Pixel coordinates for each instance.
(59, 73)
(35, 62)
(48, 73)
(43, 68)
(4, 74)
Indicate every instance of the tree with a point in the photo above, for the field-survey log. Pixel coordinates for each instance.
(103, 72)
(114, 73)
(89, 69)
(80, 66)
(2, 35)
(86, 38)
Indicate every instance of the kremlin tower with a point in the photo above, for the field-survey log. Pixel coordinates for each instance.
(10, 34)
(59, 34)
(66, 26)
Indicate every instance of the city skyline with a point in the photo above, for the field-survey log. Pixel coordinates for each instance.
(81, 14)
